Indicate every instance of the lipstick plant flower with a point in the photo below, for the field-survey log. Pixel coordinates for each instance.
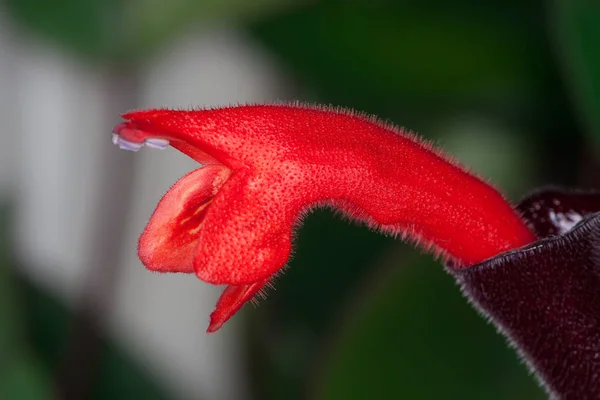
(263, 167)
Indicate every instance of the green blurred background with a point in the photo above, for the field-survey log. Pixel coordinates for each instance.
(511, 88)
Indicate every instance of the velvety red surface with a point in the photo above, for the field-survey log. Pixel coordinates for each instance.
(232, 222)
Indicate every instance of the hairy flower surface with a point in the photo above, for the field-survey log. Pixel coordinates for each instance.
(264, 166)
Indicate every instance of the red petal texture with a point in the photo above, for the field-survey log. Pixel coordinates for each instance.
(295, 157)
(246, 236)
(170, 239)
(273, 163)
(231, 300)
(545, 297)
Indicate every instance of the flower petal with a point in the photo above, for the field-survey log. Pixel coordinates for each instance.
(247, 235)
(169, 241)
(231, 300)
(375, 172)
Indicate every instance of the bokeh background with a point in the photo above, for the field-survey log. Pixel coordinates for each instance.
(510, 88)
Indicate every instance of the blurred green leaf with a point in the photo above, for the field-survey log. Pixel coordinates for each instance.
(153, 22)
(332, 256)
(24, 379)
(35, 330)
(48, 328)
(414, 336)
(124, 30)
(21, 374)
(503, 155)
(578, 36)
(34, 334)
(369, 53)
(9, 330)
(88, 27)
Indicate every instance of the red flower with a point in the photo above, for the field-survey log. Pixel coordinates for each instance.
(264, 167)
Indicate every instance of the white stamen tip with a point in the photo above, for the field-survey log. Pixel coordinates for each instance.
(156, 143)
(131, 146)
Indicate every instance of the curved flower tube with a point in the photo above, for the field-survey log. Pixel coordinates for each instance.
(265, 166)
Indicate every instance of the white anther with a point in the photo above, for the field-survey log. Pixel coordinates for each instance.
(156, 143)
